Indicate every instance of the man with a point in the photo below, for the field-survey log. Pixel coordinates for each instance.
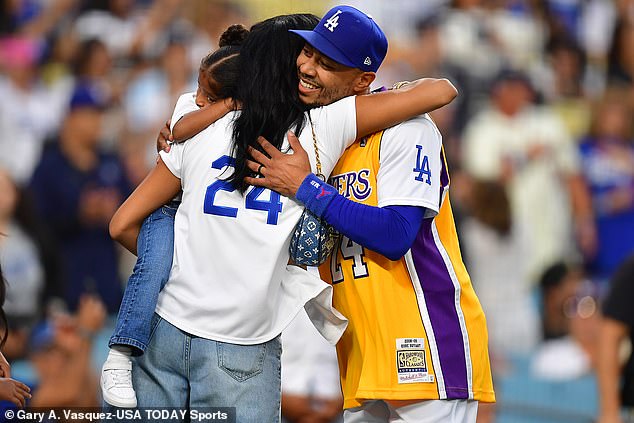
(417, 334)
(215, 334)
(77, 187)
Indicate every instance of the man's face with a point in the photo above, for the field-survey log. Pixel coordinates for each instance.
(322, 80)
(87, 121)
(512, 97)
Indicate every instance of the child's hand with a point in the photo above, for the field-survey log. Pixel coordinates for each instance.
(164, 138)
(5, 367)
(14, 391)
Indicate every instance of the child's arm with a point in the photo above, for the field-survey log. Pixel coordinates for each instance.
(195, 121)
(14, 391)
(5, 367)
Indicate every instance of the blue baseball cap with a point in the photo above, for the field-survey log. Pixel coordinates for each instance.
(350, 37)
(88, 95)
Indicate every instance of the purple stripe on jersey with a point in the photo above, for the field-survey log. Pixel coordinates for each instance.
(439, 293)
(444, 177)
(444, 174)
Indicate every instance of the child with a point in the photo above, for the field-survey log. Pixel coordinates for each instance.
(193, 113)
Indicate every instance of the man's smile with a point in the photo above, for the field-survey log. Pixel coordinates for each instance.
(306, 87)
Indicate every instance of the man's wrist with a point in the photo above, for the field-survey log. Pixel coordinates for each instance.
(315, 194)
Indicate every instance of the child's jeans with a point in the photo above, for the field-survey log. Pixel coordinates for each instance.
(155, 250)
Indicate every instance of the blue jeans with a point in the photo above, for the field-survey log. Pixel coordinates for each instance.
(185, 371)
(155, 250)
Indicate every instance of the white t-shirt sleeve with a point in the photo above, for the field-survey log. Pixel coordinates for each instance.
(186, 103)
(174, 159)
(411, 165)
(335, 128)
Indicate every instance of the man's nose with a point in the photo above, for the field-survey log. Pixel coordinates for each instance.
(308, 67)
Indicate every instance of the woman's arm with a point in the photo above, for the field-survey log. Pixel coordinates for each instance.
(194, 122)
(158, 188)
(387, 108)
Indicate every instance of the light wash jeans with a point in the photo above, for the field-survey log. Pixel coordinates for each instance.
(155, 250)
(185, 371)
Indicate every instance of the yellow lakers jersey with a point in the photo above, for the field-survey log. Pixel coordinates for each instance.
(416, 328)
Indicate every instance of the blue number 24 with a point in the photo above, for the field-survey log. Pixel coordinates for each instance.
(273, 205)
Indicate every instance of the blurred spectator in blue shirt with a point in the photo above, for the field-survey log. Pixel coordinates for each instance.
(77, 188)
(607, 156)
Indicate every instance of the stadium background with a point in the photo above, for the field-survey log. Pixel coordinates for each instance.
(546, 100)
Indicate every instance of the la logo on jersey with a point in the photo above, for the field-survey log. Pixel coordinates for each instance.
(333, 22)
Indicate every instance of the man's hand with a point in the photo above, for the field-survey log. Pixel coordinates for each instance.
(280, 172)
(164, 138)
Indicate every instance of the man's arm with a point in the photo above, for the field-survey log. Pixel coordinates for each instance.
(389, 230)
(608, 370)
(387, 108)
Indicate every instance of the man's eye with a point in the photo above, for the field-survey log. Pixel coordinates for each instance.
(326, 66)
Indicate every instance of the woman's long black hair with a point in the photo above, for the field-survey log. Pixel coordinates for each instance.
(268, 88)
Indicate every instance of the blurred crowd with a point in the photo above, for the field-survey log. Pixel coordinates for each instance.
(540, 145)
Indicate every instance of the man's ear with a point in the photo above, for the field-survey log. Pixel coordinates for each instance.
(363, 81)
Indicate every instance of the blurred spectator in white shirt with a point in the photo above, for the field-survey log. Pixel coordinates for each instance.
(28, 111)
(527, 148)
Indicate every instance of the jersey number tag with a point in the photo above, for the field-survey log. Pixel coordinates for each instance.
(422, 166)
(273, 206)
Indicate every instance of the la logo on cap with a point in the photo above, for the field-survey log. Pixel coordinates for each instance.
(333, 22)
(367, 61)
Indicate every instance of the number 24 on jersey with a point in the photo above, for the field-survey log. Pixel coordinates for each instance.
(273, 206)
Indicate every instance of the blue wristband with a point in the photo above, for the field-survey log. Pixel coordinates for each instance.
(389, 230)
(315, 194)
